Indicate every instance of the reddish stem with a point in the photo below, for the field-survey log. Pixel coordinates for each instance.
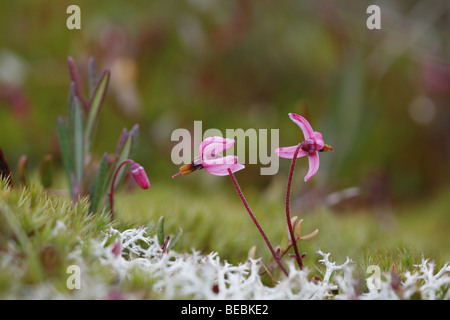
(288, 215)
(255, 221)
(164, 246)
(111, 193)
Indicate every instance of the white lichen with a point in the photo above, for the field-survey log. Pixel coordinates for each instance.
(134, 254)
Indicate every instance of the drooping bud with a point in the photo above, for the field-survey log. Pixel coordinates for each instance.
(140, 176)
(117, 249)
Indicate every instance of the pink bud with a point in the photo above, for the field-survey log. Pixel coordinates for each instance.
(140, 176)
(117, 248)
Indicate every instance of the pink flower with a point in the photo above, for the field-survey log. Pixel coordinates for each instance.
(211, 160)
(310, 146)
(140, 176)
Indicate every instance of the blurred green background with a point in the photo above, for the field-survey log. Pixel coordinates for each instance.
(380, 97)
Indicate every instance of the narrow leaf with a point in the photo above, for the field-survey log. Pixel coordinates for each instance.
(78, 140)
(95, 106)
(72, 95)
(298, 228)
(310, 235)
(62, 132)
(99, 184)
(92, 71)
(175, 239)
(135, 133)
(76, 79)
(160, 230)
(121, 142)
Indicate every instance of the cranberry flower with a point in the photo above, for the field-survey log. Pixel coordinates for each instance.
(310, 146)
(211, 160)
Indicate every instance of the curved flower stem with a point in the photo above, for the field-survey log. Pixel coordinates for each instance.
(111, 193)
(288, 215)
(255, 221)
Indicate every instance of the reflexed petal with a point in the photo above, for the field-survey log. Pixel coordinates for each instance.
(288, 152)
(303, 124)
(219, 161)
(318, 138)
(222, 172)
(237, 167)
(220, 166)
(313, 165)
(213, 146)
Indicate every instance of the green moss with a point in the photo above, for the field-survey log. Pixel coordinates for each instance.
(38, 229)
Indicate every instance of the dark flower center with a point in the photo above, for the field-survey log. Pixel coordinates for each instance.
(308, 146)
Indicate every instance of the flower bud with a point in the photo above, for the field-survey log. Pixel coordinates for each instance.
(140, 176)
(117, 249)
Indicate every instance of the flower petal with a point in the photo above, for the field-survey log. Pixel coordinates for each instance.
(214, 162)
(237, 167)
(303, 124)
(313, 165)
(220, 166)
(318, 138)
(288, 152)
(213, 146)
(234, 168)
